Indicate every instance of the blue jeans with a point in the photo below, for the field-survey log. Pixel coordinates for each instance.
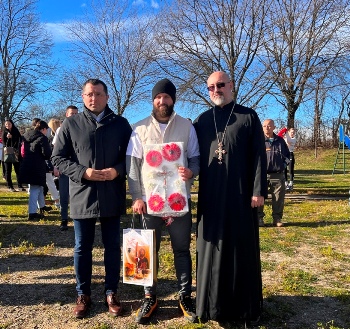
(63, 182)
(180, 237)
(36, 198)
(84, 230)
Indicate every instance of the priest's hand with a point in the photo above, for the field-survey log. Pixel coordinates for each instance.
(139, 206)
(185, 173)
(257, 201)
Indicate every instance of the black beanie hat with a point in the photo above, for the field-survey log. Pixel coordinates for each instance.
(164, 86)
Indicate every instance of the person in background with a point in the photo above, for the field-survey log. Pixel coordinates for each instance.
(289, 137)
(33, 167)
(163, 126)
(12, 137)
(232, 184)
(52, 173)
(2, 157)
(90, 149)
(63, 180)
(277, 153)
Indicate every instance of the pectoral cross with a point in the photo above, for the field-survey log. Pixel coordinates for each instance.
(165, 174)
(220, 152)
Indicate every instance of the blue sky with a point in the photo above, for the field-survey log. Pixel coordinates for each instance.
(55, 14)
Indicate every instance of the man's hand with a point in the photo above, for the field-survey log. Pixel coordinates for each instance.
(100, 175)
(257, 201)
(110, 173)
(139, 206)
(56, 173)
(185, 173)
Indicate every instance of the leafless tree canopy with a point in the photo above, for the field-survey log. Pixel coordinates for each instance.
(25, 48)
(303, 44)
(114, 44)
(198, 37)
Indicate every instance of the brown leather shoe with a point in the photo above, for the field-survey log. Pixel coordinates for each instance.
(82, 307)
(114, 306)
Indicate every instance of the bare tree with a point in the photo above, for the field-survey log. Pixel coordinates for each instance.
(113, 43)
(198, 37)
(303, 44)
(25, 48)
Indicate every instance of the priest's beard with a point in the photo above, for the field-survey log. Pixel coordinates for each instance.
(219, 100)
(163, 111)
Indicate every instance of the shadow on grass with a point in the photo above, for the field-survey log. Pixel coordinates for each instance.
(316, 224)
(9, 201)
(305, 312)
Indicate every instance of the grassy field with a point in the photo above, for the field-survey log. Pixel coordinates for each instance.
(305, 264)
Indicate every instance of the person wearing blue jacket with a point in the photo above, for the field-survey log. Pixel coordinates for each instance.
(90, 149)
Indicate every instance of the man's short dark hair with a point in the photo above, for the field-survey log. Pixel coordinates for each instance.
(73, 107)
(96, 82)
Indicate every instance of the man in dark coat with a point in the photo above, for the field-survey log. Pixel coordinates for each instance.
(90, 149)
(232, 184)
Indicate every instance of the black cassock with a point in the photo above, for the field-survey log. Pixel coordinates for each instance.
(229, 284)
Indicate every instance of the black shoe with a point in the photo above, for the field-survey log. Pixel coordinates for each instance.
(45, 208)
(148, 306)
(64, 225)
(21, 188)
(35, 216)
(187, 307)
(11, 189)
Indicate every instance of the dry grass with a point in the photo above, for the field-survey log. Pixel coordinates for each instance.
(305, 266)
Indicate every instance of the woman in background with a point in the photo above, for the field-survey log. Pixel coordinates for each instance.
(12, 137)
(37, 149)
(53, 172)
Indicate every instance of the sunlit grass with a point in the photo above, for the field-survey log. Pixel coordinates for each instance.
(309, 256)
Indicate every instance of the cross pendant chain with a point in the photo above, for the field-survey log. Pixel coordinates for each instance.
(220, 152)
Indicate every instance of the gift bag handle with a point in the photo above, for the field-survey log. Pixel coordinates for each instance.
(142, 218)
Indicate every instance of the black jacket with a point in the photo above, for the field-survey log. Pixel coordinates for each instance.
(14, 141)
(37, 149)
(83, 143)
(277, 154)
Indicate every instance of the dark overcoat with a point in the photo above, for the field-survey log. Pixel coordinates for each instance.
(37, 149)
(84, 143)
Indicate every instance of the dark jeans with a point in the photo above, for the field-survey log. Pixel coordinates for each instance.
(180, 237)
(84, 230)
(290, 168)
(8, 172)
(64, 195)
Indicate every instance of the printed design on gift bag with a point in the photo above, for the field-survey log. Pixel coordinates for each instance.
(166, 193)
(139, 256)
